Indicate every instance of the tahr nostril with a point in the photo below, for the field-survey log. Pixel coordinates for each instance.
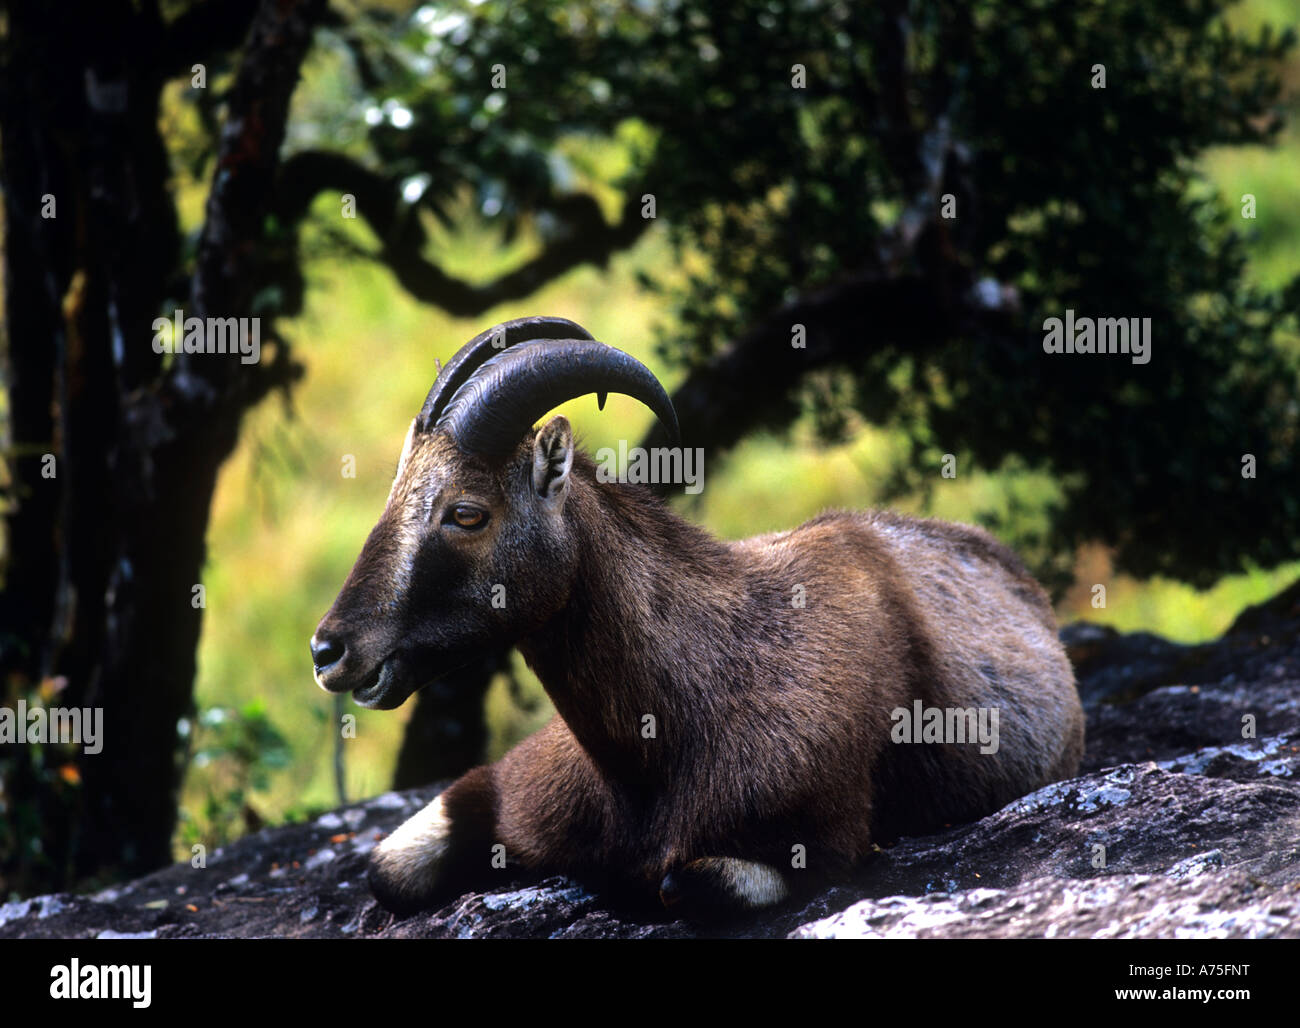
(325, 652)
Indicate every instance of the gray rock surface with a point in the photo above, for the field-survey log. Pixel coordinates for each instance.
(1180, 825)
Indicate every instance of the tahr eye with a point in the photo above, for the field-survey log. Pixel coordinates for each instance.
(467, 517)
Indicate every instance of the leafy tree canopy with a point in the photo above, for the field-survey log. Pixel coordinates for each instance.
(801, 154)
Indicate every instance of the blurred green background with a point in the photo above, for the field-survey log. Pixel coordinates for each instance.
(287, 525)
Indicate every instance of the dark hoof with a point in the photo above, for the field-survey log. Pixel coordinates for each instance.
(670, 890)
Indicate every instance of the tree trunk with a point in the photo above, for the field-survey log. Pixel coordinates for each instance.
(104, 557)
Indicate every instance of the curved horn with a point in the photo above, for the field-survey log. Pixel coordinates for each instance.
(503, 398)
(456, 372)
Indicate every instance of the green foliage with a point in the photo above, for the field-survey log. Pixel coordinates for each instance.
(237, 750)
(1071, 196)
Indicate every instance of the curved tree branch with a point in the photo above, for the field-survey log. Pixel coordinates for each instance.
(915, 293)
(586, 237)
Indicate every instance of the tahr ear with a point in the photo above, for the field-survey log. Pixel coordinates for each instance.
(552, 459)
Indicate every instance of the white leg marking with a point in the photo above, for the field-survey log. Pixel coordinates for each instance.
(409, 858)
(749, 882)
